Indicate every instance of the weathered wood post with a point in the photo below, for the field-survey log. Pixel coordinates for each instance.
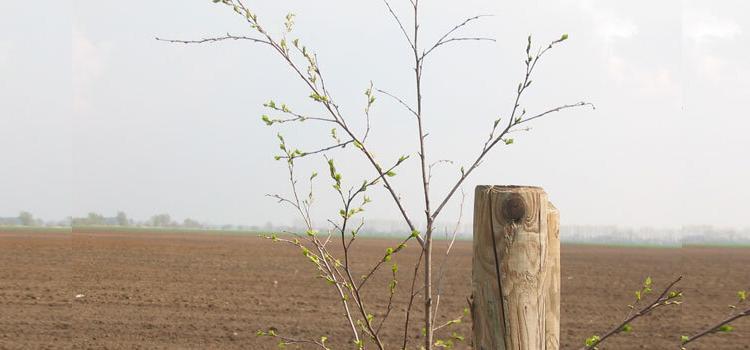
(516, 255)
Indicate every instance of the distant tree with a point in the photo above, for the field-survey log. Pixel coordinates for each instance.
(26, 219)
(191, 223)
(161, 220)
(94, 219)
(122, 219)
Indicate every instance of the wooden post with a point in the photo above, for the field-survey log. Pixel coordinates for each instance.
(516, 255)
(552, 303)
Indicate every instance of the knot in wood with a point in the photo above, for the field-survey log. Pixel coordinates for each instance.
(514, 208)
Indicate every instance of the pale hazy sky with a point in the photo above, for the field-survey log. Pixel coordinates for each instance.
(95, 115)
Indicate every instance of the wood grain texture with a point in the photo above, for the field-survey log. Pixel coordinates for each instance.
(527, 262)
(552, 319)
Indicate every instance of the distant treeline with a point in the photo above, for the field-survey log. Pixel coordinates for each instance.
(27, 219)
(122, 219)
(605, 235)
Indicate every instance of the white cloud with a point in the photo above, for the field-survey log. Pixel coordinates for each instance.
(652, 82)
(608, 25)
(702, 33)
(89, 62)
(700, 27)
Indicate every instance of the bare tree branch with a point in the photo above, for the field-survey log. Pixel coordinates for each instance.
(412, 295)
(215, 39)
(530, 63)
(455, 40)
(305, 154)
(443, 40)
(718, 327)
(413, 112)
(400, 24)
(441, 270)
(667, 297)
(556, 109)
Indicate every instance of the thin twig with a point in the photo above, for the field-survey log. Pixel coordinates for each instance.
(305, 154)
(667, 297)
(399, 100)
(458, 39)
(531, 63)
(442, 39)
(715, 328)
(412, 295)
(556, 109)
(215, 39)
(441, 270)
(400, 24)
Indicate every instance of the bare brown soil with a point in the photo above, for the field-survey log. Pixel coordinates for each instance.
(200, 291)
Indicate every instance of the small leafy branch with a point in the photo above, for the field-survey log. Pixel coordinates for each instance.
(737, 311)
(667, 297)
(284, 341)
(345, 132)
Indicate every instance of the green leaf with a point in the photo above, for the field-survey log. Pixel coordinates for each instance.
(390, 173)
(593, 340)
(564, 37)
(267, 120)
(627, 328)
(318, 98)
(684, 339)
(289, 24)
(725, 328)
(335, 137)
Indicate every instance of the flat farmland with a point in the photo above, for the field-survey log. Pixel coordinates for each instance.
(136, 290)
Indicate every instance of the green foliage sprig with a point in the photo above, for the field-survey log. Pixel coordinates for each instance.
(723, 326)
(668, 297)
